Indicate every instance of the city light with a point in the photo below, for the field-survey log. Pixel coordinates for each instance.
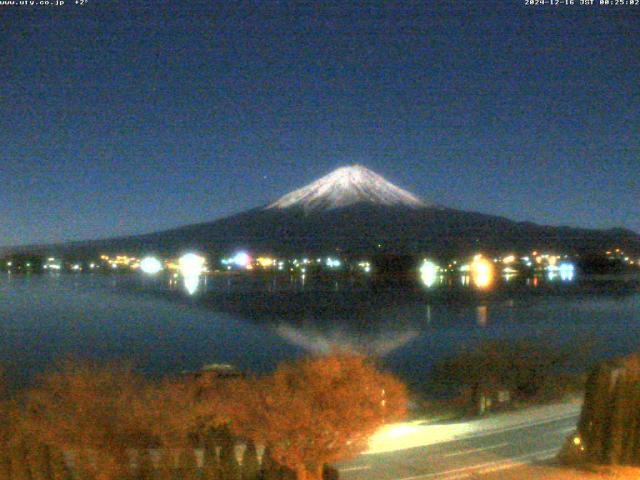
(482, 272)
(265, 262)
(429, 273)
(241, 259)
(509, 259)
(191, 265)
(567, 272)
(333, 262)
(150, 265)
(366, 266)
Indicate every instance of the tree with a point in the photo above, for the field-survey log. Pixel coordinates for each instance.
(528, 370)
(187, 466)
(250, 465)
(316, 411)
(167, 411)
(90, 410)
(19, 461)
(5, 462)
(102, 412)
(40, 461)
(272, 470)
(5, 438)
(145, 470)
(609, 426)
(228, 462)
(210, 465)
(59, 468)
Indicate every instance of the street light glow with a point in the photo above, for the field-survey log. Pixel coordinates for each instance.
(151, 265)
(429, 273)
(482, 272)
(191, 265)
(241, 259)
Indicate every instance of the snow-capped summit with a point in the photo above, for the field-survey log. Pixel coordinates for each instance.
(348, 186)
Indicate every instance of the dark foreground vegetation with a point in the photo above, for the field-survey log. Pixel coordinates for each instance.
(609, 427)
(499, 374)
(105, 422)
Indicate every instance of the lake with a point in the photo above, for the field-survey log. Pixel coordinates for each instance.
(254, 323)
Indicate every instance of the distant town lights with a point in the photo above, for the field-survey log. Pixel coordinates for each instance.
(482, 272)
(429, 273)
(266, 262)
(241, 259)
(191, 265)
(333, 262)
(150, 265)
(567, 271)
(509, 259)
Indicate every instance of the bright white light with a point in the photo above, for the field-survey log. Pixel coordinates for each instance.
(567, 272)
(333, 262)
(429, 273)
(191, 284)
(151, 265)
(482, 272)
(241, 259)
(191, 265)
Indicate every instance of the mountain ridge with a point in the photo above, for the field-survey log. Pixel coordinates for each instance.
(347, 186)
(355, 210)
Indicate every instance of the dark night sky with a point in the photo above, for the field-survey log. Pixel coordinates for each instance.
(128, 117)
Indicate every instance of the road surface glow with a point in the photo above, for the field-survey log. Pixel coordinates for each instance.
(402, 436)
(476, 450)
(488, 467)
(356, 469)
(414, 434)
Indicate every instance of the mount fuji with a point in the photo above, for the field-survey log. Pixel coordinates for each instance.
(354, 210)
(345, 187)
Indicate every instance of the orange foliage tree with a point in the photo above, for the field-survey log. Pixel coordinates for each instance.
(85, 409)
(99, 413)
(5, 433)
(317, 410)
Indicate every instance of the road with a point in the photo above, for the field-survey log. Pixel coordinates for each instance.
(480, 448)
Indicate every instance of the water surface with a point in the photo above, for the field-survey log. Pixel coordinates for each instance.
(256, 323)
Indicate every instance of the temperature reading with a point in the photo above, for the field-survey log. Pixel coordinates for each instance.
(81, 2)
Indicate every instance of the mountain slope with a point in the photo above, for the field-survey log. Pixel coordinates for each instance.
(355, 210)
(348, 186)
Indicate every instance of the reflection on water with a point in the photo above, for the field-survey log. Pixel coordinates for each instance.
(314, 339)
(509, 276)
(254, 322)
(482, 315)
(191, 283)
